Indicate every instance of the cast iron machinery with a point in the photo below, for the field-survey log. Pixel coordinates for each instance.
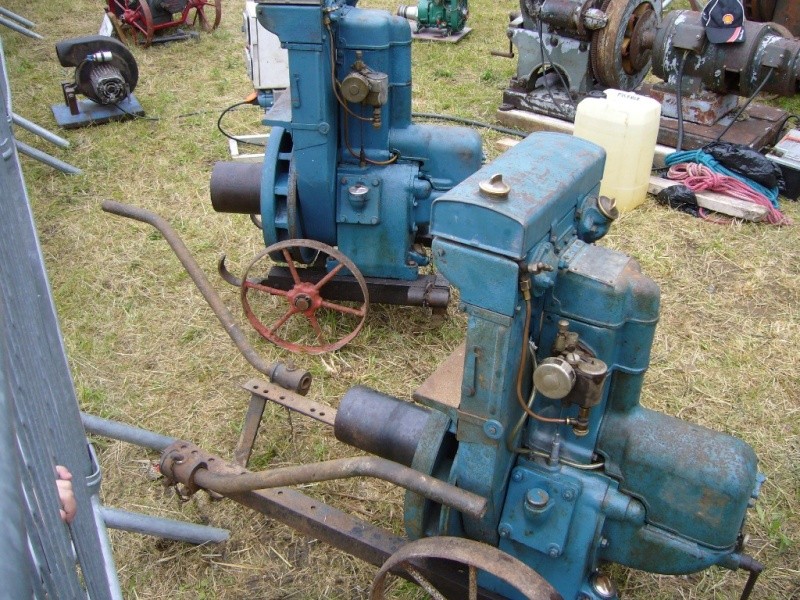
(528, 450)
(447, 17)
(141, 20)
(105, 73)
(346, 174)
(711, 77)
(568, 49)
(780, 12)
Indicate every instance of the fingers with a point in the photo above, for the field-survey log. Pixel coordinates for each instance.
(69, 506)
(63, 472)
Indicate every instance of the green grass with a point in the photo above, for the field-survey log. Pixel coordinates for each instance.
(146, 350)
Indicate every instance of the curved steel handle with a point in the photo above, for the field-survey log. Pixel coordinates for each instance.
(286, 376)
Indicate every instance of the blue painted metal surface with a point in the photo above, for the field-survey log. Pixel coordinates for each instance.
(607, 480)
(346, 168)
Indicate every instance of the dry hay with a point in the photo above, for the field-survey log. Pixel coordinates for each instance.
(146, 350)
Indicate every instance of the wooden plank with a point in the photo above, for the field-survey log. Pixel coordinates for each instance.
(528, 121)
(505, 143)
(741, 209)
(443, 387)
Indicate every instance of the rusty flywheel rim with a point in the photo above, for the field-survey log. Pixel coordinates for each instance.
(617, 55)
(199, 7)
(136, 18)
(474, 555)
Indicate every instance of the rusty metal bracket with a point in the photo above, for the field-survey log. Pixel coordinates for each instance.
(252, 422)
(292, 401)
(262, 391)
(179, 463)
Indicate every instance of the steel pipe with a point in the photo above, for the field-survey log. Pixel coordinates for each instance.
(19, 28)
(185, 463)
(344, 468)
(15, 17)
(125, 433)
(45, 158)
(39, 130)
(163, 528)
(286, 376)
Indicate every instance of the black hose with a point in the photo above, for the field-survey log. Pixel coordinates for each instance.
(473, 123)
(679, 102)
(750, 564)
(233, 137)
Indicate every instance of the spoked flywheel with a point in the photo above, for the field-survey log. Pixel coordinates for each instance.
(204, 13)
(465, 558)
(136, 18)
(300, 318)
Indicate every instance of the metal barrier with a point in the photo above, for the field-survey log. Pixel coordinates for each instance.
(40, 412)
(41, 427)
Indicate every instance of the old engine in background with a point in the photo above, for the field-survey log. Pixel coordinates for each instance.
(568, 49)
(345, 166)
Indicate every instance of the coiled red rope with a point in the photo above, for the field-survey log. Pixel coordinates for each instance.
(699, 177)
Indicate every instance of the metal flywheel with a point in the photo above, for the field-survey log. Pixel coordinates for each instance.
(619, 54)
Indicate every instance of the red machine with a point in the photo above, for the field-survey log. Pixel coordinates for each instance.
(141, 19)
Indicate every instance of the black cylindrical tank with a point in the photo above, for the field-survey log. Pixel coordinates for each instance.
(380, 424)
(236, 187)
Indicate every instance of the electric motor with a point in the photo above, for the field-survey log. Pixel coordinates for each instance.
(727, 68)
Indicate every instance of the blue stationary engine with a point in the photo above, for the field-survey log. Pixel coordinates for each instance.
(539, 410)
(364, 174)
(344, 164)
(578, 472)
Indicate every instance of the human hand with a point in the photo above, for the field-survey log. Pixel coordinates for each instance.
(69, 506)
